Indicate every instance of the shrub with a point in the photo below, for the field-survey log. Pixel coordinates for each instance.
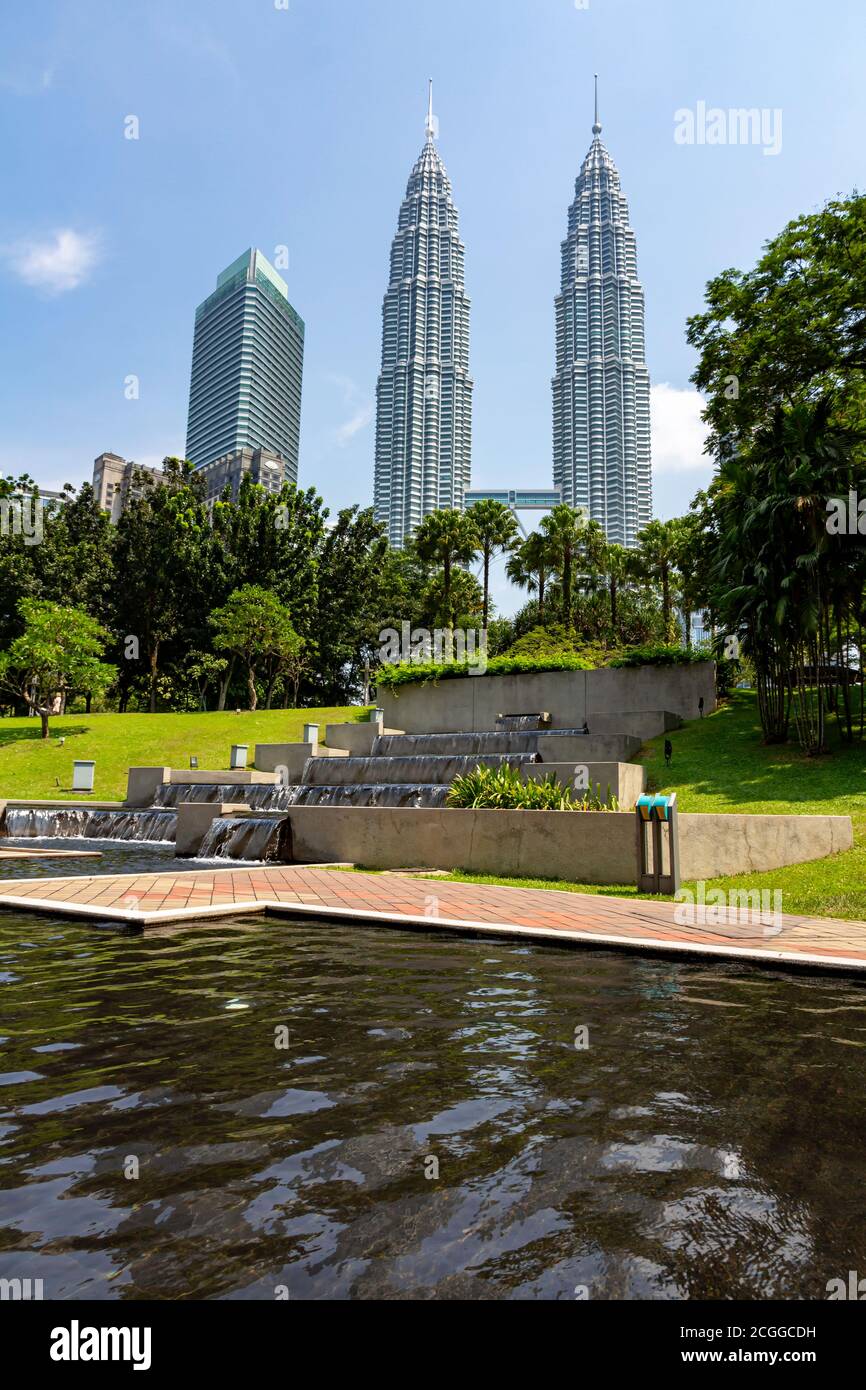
(728, 673)
(660, 654)
(503, 789)
(411, 672)
(555, 640)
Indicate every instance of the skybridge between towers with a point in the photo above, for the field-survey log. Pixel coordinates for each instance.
(518, 500)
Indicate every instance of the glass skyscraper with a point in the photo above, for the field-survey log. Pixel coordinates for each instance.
(601, 390)
(247, 368)
(424, 393)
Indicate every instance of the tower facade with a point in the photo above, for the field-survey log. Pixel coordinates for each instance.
(424, 392)
(601, 391)
(247, 368)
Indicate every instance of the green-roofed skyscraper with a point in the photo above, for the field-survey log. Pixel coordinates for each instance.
(247, 370)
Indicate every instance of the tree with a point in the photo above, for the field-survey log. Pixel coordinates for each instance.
(353, 573)
(656, 558)
(792, 328)
(57, 652)
(204, 669)
(618, 565)
(690, 558)
(529, 567)
(461, 607)
(445, 539)
(495, 531)
(256, 628)
(163, 551)
(18, 577)
(564, 528)
(783, 362)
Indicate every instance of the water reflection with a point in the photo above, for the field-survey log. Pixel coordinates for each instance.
(707, 1143)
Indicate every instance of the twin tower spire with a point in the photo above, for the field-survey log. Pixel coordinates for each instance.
(601, 423)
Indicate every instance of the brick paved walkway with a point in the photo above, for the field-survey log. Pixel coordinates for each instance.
(392, 899)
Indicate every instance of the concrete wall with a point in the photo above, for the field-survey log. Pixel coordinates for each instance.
(355, 739)
(194, 819)
(142, 782)
(575, 846)
(642, 724)
(572, 697)
(587, 748)
(715, 846)
(240, 777)
(512, 843)
(293, 756)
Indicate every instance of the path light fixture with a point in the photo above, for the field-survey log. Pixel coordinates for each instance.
(658, 853)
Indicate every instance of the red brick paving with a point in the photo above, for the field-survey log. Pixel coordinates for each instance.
(437, 905)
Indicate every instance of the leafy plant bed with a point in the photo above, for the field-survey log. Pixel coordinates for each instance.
(503, 789)
(390, 676)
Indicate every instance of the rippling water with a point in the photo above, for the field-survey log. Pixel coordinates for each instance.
(707, 1143)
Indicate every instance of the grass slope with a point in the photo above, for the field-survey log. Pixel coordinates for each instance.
(720, 765)
(31, 767)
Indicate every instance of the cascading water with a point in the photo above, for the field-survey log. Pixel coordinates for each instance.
(522, 723)
(399, 794)
(404, 771)
(420, 769)
(262, 797)
(262, 838)
(453, 745)
(156, 824)
(152, 826)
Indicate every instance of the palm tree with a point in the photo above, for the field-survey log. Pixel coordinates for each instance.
(658, 544)
(564, 528)
(445, 538)
(690, 559)
(495, 530)
(617, 565)
(529, 567)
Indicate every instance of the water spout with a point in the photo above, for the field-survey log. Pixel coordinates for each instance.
(263, 838)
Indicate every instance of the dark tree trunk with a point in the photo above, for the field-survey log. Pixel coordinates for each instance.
(486, 587)
(154, 670)
(225, 683)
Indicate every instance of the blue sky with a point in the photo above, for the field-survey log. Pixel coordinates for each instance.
(298, 126)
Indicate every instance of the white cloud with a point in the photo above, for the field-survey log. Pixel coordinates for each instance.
(678, 432)
(359, 421)
(359, 403)
(61, 262)
(27, 82)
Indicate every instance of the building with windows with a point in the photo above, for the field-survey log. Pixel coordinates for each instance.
(424, 392)
(247, 369)
(601, 390)
(265, 468)
(116, 481)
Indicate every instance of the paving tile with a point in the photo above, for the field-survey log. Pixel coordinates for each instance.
(154, 896)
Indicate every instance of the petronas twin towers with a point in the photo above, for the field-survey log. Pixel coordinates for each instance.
(601, 412)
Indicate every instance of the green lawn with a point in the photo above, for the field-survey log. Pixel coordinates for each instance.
(31, 767)
(719, 764)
